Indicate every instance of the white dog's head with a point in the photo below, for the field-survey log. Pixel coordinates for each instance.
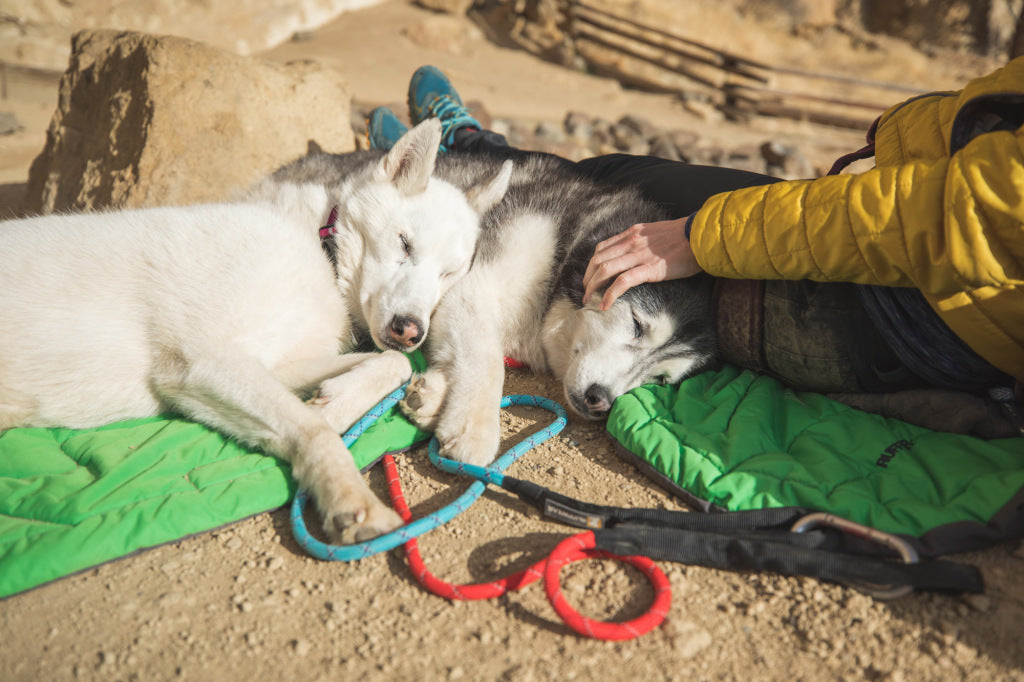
(418, 234)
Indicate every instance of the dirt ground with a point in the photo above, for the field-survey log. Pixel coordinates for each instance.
(245, 603)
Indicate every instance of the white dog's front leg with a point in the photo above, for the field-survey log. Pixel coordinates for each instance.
(466, 347)
(236, 395)
(469, 428)
(347, 397)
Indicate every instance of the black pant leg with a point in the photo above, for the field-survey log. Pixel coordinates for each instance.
(680, 188)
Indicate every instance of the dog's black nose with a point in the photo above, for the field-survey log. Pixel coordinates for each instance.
(406, 330)
(596, 399)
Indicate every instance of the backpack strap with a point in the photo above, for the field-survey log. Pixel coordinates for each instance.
(865, 152)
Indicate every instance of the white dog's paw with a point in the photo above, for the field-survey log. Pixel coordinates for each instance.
(473, 438)
(424, 397)
(359, 520)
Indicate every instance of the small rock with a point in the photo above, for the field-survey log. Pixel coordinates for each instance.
(170, 568)
(663, 147)
(625, 137)
(9, 123)
(442, 33)
(602, 132)
(640, 126)
(785, 161)
(301, 647)
(578, 126)
(549, 133)
(979, 602)
(275, 563)
(684, 140)
(774, 153)
(687, 639)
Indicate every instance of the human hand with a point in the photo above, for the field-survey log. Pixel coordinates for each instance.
(646, 252)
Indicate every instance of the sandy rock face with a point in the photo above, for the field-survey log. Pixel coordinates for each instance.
(146, 120)
(36, 33)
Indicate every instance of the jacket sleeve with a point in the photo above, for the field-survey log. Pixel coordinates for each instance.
(941, 226)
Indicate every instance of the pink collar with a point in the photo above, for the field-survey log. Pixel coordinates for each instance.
(331, 228)
(330, 246)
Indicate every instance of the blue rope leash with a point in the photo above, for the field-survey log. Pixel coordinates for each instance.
(484, 475)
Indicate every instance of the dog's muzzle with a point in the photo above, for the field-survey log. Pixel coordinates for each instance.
(595, 403)
(405, 331)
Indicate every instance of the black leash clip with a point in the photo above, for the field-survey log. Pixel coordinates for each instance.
(901, 546)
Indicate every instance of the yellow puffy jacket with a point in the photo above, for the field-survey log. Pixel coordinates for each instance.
(943, 211)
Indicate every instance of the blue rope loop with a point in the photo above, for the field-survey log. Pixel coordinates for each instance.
(484, 475)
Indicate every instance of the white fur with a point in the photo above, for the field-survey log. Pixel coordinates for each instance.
(491, 311)
(222, 312)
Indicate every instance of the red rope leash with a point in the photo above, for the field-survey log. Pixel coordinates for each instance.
(574, 548)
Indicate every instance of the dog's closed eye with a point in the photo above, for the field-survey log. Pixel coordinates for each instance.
(639, 328)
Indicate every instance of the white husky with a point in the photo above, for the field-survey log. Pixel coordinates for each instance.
(223, 312)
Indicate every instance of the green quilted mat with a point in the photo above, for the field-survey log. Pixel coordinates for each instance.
(734, 440)
(72, 499)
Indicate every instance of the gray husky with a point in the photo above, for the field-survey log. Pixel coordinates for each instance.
(522, 298)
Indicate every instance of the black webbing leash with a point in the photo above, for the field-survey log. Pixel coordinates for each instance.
(788, 541)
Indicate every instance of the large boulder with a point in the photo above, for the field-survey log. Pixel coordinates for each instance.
(147, 120)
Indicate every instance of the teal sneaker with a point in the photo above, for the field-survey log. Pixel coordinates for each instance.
(431, 94)
(383, 128)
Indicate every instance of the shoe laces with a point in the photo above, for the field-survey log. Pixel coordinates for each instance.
(453, 115)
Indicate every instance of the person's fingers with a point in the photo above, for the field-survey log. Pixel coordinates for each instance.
(613, 247)
(645, 252)
(628, 279)
(609, 270)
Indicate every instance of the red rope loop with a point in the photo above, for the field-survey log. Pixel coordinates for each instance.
(581, 546)
(574, 548)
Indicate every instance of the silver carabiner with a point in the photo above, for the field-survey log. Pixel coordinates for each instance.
(907, 553)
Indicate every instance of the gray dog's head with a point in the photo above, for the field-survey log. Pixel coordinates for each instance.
(654, 333)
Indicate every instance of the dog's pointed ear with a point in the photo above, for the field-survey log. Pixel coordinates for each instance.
(486, 195)
(410, 162)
